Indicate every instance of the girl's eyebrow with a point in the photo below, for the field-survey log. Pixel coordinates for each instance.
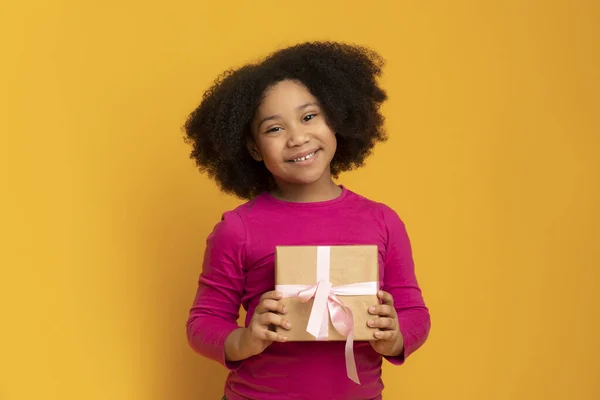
(303, 106)
(272, 117)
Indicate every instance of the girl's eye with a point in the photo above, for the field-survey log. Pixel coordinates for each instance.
(309, 117)
(274, 129)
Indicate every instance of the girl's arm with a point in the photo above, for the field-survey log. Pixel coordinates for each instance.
(214, 313)
(401, 282)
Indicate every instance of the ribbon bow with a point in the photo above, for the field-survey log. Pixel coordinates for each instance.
(327, 305)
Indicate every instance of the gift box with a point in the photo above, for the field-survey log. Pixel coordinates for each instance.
(327, 291)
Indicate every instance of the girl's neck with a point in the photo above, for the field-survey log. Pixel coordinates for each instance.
(322, 190)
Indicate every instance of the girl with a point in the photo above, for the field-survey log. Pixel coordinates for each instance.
(276, 134)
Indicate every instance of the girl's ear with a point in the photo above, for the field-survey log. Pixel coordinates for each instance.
(253, 149)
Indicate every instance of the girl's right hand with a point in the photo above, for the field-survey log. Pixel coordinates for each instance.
(268, 313)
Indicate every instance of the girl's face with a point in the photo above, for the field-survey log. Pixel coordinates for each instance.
(291, 135)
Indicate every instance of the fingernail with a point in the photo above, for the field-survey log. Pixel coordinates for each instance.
(279, 294)
(371, 323)
(377, 334)
(288, 325)
(372, 309)
(283, 309)
(380, 293)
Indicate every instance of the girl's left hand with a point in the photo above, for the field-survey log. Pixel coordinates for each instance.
(388, 339)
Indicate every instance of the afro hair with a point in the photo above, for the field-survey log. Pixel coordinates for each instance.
(342, 77)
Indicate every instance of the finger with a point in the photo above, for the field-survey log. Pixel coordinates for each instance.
(383, 310)
(386, 298)
(270, 305)
(270, 318)
(385, 335)
(273, 294)
(273, 336)
(382, 323)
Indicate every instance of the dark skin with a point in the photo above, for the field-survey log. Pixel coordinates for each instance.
(247, 342)
(388, 339)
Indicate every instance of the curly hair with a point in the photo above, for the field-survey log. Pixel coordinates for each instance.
(342, 77)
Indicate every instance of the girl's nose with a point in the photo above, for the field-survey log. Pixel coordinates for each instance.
(297, 137)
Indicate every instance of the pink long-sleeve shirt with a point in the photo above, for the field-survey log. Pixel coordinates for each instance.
(239, 267)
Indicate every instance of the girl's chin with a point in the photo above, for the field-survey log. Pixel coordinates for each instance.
(300, 180)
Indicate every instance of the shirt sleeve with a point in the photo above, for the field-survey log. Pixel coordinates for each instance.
(401, 282)
(215, 310)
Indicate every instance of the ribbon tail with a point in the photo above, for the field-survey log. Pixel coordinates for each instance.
(324, 330)
(343, 321)
(351, 370)
(319, 310)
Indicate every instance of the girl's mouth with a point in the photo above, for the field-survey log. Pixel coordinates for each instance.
(304, 158)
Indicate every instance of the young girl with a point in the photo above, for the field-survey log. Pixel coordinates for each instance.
(277, 134)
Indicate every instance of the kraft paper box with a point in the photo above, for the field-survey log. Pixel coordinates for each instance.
(354, 267)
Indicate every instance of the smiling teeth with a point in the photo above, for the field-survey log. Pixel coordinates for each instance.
(306, 157)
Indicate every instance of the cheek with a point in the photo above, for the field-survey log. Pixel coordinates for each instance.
(332, 142)
(270, 152)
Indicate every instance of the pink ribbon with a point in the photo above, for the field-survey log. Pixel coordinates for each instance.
(328, 304)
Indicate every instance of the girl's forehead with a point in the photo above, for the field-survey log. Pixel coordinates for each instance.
(286, 94)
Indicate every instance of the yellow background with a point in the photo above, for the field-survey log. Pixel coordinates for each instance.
(493, 122)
